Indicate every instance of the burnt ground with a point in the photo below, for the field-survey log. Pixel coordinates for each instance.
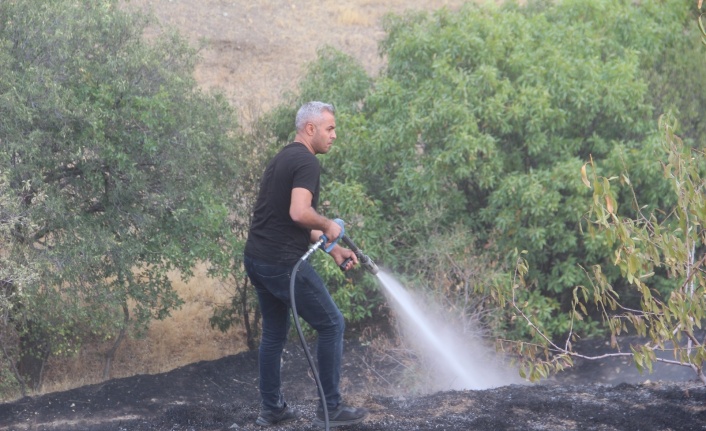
(222, 395)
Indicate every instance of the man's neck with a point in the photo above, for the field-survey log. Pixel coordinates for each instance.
(304, 141)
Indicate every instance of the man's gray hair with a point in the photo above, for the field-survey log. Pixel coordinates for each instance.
(309, 111)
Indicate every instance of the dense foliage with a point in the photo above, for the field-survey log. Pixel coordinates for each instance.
(481, 122)
(118, 160)
(652, 242)
(669, 321)
(465, 151)
(670, 325)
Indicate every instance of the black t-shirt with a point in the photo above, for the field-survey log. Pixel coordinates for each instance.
(273, 236)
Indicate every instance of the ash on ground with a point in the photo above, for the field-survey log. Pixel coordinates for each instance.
(222, 395)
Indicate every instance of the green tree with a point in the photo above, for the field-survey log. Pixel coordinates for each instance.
(484, 115)
(254, 150)
(119, 160)
(651, 242)
(18, 271)
(670, 240)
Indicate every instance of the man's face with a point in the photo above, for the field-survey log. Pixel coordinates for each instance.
(324, 133)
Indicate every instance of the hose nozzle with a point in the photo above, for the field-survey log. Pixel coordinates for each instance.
(368, 263)
(364, 260)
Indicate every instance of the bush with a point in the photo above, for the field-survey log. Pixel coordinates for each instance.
(484, 116)
(121, 163)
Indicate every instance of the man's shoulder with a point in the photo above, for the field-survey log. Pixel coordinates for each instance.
(297, 152)
(296, 147)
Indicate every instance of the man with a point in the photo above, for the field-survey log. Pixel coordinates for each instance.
(284, 224)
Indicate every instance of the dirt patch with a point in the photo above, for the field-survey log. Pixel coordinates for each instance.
(256, 52)
(222, 395)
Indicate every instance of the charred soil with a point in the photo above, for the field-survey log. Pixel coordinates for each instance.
(222, 395)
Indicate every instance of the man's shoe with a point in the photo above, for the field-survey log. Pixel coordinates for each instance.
(268, 418)
(340, 416)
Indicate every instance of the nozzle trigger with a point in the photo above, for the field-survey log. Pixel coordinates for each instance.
(344, 264)
(328, 249)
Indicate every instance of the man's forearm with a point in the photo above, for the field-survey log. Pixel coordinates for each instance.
(310, 219)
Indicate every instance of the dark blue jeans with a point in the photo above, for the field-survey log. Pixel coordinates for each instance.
(315, 306)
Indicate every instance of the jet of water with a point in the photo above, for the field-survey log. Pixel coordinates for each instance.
(459, 362)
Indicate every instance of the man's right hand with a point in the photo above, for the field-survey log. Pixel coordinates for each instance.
(332, 232)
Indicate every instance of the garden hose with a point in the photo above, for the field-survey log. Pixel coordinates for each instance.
(295, 315)
(367, 263)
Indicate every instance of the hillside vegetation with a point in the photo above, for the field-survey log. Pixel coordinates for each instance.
(458, 166)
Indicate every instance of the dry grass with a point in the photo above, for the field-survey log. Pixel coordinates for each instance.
(256, 51)
(353, 17)
(185, 337)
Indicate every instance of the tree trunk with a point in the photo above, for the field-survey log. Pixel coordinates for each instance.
(15, 371)
(34, 351)
(110, 355)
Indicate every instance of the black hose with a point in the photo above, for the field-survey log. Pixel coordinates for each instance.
(292, 280)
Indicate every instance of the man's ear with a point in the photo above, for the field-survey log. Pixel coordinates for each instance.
(310, 129)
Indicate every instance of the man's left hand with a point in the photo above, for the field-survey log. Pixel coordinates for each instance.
(340, 254)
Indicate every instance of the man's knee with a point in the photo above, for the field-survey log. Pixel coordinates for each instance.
(339, 323)
(335, 325)
(274, 338)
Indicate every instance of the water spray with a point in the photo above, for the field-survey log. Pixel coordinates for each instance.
(447, 349)
(365, 261)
